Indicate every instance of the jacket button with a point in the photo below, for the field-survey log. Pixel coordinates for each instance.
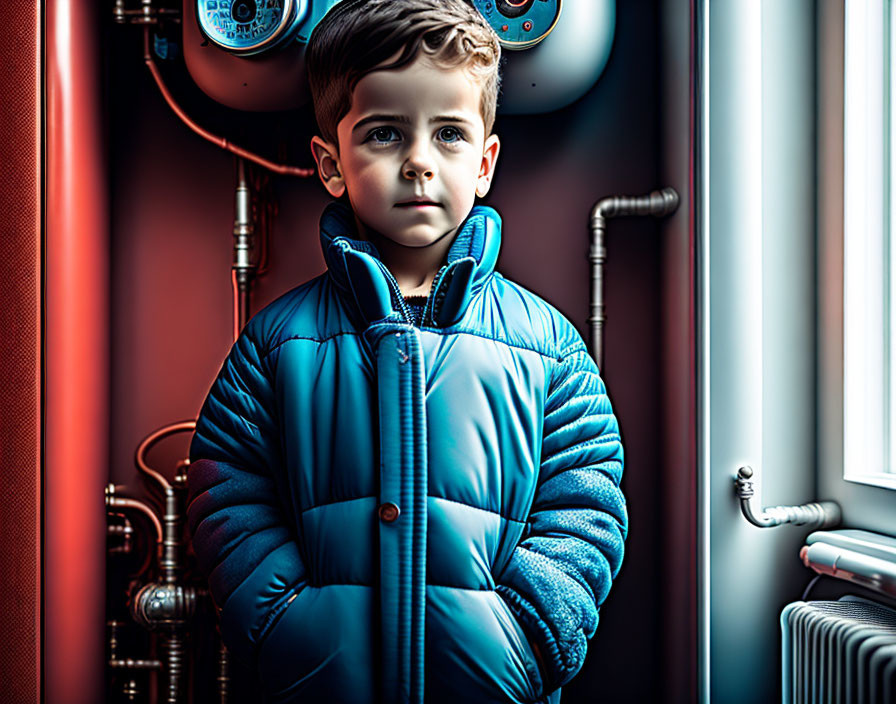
(388, 512)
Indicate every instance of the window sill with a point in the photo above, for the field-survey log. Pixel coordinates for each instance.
(885, 480)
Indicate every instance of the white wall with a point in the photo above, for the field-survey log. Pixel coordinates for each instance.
(757, 349)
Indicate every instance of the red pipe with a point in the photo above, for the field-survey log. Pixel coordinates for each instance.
(76, 439)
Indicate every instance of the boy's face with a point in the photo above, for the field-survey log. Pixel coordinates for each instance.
(412, 152)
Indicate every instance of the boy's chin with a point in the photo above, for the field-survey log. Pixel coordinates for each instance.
(418, 238)
(415, 237)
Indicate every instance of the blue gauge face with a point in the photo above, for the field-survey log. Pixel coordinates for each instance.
(250, 26)
(520, 24)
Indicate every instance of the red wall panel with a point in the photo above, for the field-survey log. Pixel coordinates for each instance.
(20, 344)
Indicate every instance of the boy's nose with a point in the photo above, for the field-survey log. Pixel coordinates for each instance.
(418, 166)
(413, 173)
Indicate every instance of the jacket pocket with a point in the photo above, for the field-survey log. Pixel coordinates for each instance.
(523, 645)
(277, 612)
(475, 650)
(322, 647)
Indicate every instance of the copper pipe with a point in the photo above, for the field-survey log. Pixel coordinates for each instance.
(214, 139)
(180, 472)
(152, 439)
(170, 561)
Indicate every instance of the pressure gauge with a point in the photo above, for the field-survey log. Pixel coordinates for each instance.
(520, 24)
(245, 27)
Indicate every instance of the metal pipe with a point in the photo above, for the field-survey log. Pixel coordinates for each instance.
(113, 501)
(658, 204)
(823, 514)
(167, 607)
(243, 242)
(116, 663)
(126, 530)
(170, 562)
(130, 691)
(223, 676)
(205, 134)
(167, 604)
(130, 664)
(175, 673)
(118, 12)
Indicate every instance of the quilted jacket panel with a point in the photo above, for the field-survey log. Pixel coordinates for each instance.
(487, 426)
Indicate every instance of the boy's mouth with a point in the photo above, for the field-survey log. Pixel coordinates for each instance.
(418, 204)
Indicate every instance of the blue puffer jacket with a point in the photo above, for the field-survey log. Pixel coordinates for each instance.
(387, 512)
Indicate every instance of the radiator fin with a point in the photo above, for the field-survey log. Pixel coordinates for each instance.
(838, 652)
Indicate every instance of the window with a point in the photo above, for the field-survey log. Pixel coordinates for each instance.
(869, 268)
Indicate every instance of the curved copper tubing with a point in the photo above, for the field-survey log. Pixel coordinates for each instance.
(219, 141)
(150, 440)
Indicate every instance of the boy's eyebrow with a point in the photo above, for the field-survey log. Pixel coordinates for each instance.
(405, 120)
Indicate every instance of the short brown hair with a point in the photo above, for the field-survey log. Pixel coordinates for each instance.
(356, 36)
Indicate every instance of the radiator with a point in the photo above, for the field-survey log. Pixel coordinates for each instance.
(838, 652)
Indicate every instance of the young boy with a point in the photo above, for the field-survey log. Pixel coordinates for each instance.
(404, 482)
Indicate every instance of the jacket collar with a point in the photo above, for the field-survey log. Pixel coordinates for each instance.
(357, 269)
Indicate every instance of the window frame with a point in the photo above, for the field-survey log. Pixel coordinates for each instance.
(869, 312)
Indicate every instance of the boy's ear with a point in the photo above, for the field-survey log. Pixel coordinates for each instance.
(326, 156)
(487, 169)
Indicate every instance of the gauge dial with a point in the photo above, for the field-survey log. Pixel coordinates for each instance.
(246, 27)
(520, 24)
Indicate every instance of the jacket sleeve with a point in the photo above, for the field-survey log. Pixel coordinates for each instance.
(235, 517)
(560, 573)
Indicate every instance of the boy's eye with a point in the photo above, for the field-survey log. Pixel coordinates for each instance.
(383, 135)
(450, 134)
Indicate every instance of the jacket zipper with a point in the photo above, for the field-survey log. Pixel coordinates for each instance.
(429, 310)
(405, 310)
(396, 291)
